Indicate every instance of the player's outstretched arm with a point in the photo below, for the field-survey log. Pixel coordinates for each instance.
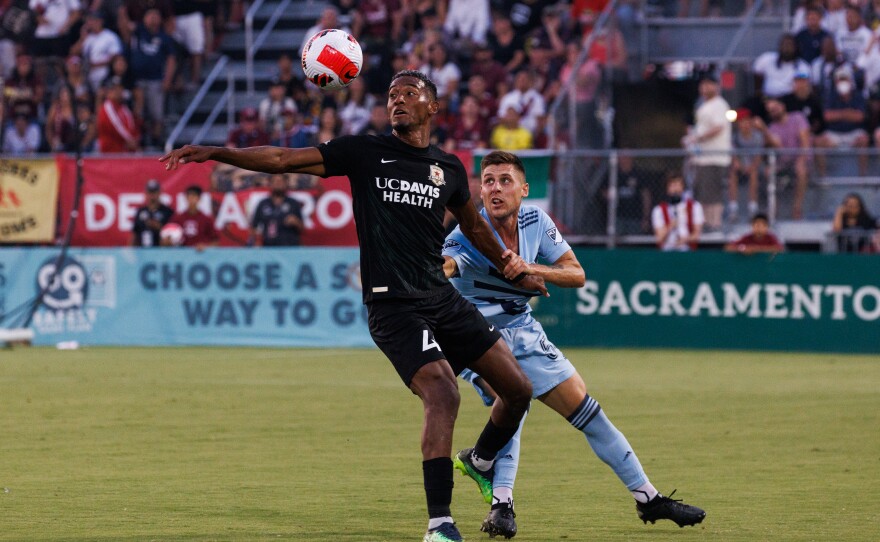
(264, 159)
(565, 272)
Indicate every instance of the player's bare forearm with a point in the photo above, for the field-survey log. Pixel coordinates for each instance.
(477, 230)
(565, 272)
(265, 159)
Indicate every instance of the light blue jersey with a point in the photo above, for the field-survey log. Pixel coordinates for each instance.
(507, 307)
(480, 283)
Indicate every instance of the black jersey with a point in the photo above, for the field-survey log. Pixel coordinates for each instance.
(144, 236)
(269, 220)
(399, 194)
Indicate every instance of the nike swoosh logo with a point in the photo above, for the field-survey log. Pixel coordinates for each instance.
(491, 328)
(384, 161)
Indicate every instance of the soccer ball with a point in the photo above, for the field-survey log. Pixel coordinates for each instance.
(332, 59)
(172, 233)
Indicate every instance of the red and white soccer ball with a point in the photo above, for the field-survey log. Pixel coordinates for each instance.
(172, 233)
(332, 59)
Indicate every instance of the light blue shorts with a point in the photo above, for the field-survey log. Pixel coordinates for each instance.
(543, 363)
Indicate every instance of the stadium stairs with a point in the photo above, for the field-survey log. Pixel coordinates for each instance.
(286, 36)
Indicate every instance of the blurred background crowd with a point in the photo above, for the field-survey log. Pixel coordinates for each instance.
(114, 76)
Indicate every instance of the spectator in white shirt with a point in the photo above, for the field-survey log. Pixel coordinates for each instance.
(711, 144)
(444, 73)
(855, 37)
(55, 19)
(329, 19)
(777, 68)
(97, 45)
(273, 106)
(22, 137)
(355, 114)
(468, 20)
(525, 99)
(677, 221)
(835, 17)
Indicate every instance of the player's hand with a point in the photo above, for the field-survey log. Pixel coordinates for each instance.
(515, 266)
(534, 283)
(185, 155)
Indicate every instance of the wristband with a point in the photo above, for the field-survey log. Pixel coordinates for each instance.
(519, 277)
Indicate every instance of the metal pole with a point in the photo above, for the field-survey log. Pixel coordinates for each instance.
(230, 101)
(249, 45)
(771, 187)
(612, 199)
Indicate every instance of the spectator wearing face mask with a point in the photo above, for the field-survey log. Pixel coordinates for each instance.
(844, 117)
(678, 221)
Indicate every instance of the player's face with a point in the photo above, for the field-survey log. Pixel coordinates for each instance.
(409, 103)
(278, 185)
(760, 228)
(502, 190)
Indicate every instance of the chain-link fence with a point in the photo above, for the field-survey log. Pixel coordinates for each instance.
(607, 197)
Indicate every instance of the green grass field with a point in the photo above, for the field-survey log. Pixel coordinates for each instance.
(119, 444)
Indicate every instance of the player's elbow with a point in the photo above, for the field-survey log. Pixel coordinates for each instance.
(579, 278)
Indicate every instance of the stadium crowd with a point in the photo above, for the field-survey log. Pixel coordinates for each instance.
(114, 69)
(106, 67)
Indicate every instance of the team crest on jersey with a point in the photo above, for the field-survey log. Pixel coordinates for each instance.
(554, 235)
(451, 245)
(436, 176)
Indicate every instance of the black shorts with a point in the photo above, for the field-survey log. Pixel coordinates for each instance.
(415, 332)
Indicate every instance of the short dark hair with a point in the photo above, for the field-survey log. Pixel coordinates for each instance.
(760, 216)
(432, 88)
(673, 176)
(193, 189)
(495, 158)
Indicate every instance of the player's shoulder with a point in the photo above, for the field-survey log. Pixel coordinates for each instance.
(530, 215)
(438, 154)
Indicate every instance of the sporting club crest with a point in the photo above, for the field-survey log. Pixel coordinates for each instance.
(436, 176)
(554, 235)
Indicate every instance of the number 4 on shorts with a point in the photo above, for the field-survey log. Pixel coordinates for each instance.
(427, 342)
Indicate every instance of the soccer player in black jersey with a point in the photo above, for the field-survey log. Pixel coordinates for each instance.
(400, 187)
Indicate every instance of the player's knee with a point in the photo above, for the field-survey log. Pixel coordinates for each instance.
(440, 394)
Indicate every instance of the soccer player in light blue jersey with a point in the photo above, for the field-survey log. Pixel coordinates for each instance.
(530, 232)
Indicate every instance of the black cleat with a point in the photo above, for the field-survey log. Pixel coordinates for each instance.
(661, 507)
(500, 521)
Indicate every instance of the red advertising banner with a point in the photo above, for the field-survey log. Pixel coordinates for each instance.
(114, 189)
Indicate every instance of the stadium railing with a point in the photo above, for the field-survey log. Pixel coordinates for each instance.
(595, 203)
(193, 106)
(566, 95)
(252, 45)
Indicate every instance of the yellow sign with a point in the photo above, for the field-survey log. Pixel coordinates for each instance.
(28, 200)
